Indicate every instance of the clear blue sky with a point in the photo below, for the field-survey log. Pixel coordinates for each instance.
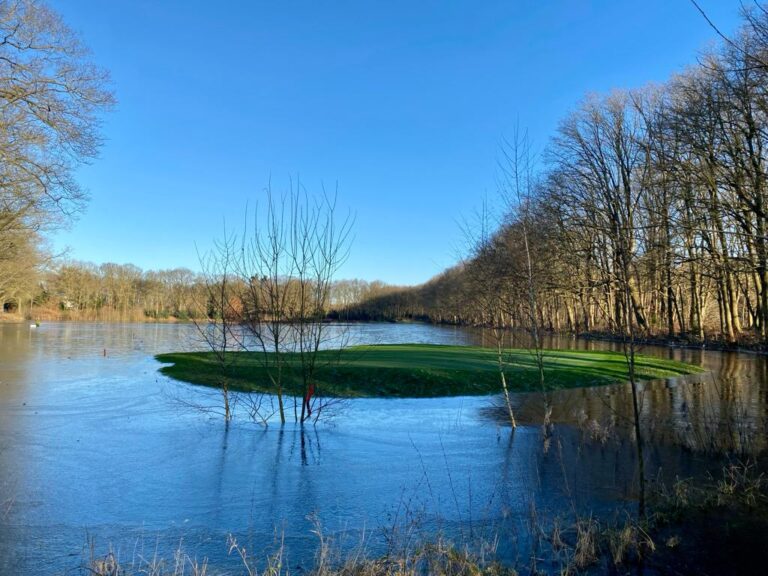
(403, 103)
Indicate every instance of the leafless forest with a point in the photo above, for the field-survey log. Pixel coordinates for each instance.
(666, 184)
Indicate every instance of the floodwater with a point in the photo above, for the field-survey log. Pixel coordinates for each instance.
(97, 448)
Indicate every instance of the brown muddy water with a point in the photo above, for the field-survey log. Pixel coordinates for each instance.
(97, 446)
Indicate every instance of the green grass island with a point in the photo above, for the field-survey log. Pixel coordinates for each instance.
(420, 370)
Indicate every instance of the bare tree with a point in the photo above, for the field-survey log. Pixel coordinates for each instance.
(517, 190)
(488, 283)
(319, 246)
(50, 100)
(51, 97)
(289, 258)
(217, 331)
(266, 267)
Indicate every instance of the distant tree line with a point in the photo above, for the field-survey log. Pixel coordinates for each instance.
(662, 191)
(86, 291)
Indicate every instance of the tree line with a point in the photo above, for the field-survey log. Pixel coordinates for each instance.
(660, 192)
(109, 291)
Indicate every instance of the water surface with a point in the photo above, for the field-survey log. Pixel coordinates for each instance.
(96, 444)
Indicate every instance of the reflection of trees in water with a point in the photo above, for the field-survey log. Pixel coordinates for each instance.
(310, 446)
(723, 410)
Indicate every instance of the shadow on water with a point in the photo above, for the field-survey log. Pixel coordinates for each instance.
(91, 446)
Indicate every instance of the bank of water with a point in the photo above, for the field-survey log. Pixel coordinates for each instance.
(95, 444)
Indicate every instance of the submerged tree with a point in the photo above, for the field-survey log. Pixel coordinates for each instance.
(289, 260)
(271, 288)
(490, 289)
(517, 189)
(219, 333)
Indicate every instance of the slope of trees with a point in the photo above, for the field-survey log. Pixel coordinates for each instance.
(651, 202)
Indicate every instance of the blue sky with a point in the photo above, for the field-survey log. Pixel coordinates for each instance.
(403, 104)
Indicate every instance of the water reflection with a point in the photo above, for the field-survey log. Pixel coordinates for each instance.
(89, 441)
(722, 410)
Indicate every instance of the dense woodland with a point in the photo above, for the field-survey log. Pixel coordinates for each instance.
(663, 190)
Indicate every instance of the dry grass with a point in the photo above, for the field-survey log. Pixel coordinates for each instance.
(630, 542)
(739, 485)
(181, 564)
(586, 549)
(743, 483)
(439, 558)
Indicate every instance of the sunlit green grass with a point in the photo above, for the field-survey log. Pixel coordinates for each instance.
(421, 370)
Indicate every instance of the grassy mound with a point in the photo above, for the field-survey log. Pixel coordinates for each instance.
(419, 370)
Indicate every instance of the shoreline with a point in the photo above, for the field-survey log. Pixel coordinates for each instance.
(713, 344)
(717, 344)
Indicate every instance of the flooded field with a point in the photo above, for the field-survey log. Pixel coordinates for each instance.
(97, 446)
